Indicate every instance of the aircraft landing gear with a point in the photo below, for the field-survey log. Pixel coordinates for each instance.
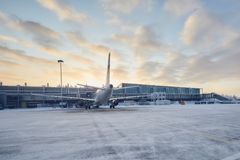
(112, 106)
(91, 106)
(87, 107)
(114, 103)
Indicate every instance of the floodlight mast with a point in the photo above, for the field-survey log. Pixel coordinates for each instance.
(60, 62)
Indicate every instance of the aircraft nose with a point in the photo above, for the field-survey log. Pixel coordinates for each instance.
(111, 86)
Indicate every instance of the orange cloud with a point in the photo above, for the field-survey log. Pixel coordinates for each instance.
(7, 63)
(64, 12)
(143, 43)
(41, 34)
(182, 7)
(97, 49)
(125, 7)
(21, 57)
(72, 56)
(120, 74)
(203, 30)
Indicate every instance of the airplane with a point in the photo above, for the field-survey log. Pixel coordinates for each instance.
(103, 94)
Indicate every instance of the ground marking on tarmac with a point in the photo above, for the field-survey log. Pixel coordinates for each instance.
(233, 157)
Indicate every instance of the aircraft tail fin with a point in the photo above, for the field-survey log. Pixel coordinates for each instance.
(108, 70)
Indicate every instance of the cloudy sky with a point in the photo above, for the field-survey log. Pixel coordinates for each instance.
(189, 43)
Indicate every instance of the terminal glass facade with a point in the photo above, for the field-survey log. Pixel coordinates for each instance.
(145, 89)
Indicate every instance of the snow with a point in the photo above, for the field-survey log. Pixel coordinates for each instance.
(132, 132)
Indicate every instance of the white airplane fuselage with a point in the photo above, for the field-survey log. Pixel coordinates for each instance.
(103, 95)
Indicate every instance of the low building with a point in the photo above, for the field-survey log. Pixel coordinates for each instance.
(21, 96)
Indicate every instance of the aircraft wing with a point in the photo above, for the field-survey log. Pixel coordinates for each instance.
(64, 97)
(128, 97)
(87, 86)
(125, 87)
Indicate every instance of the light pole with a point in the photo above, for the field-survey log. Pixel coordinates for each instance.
(60, 62)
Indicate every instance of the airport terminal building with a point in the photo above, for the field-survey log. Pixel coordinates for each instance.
(172, 93)
(145, 88)
(21, 96)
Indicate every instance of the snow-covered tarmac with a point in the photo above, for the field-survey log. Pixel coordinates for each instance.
(147, 132)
